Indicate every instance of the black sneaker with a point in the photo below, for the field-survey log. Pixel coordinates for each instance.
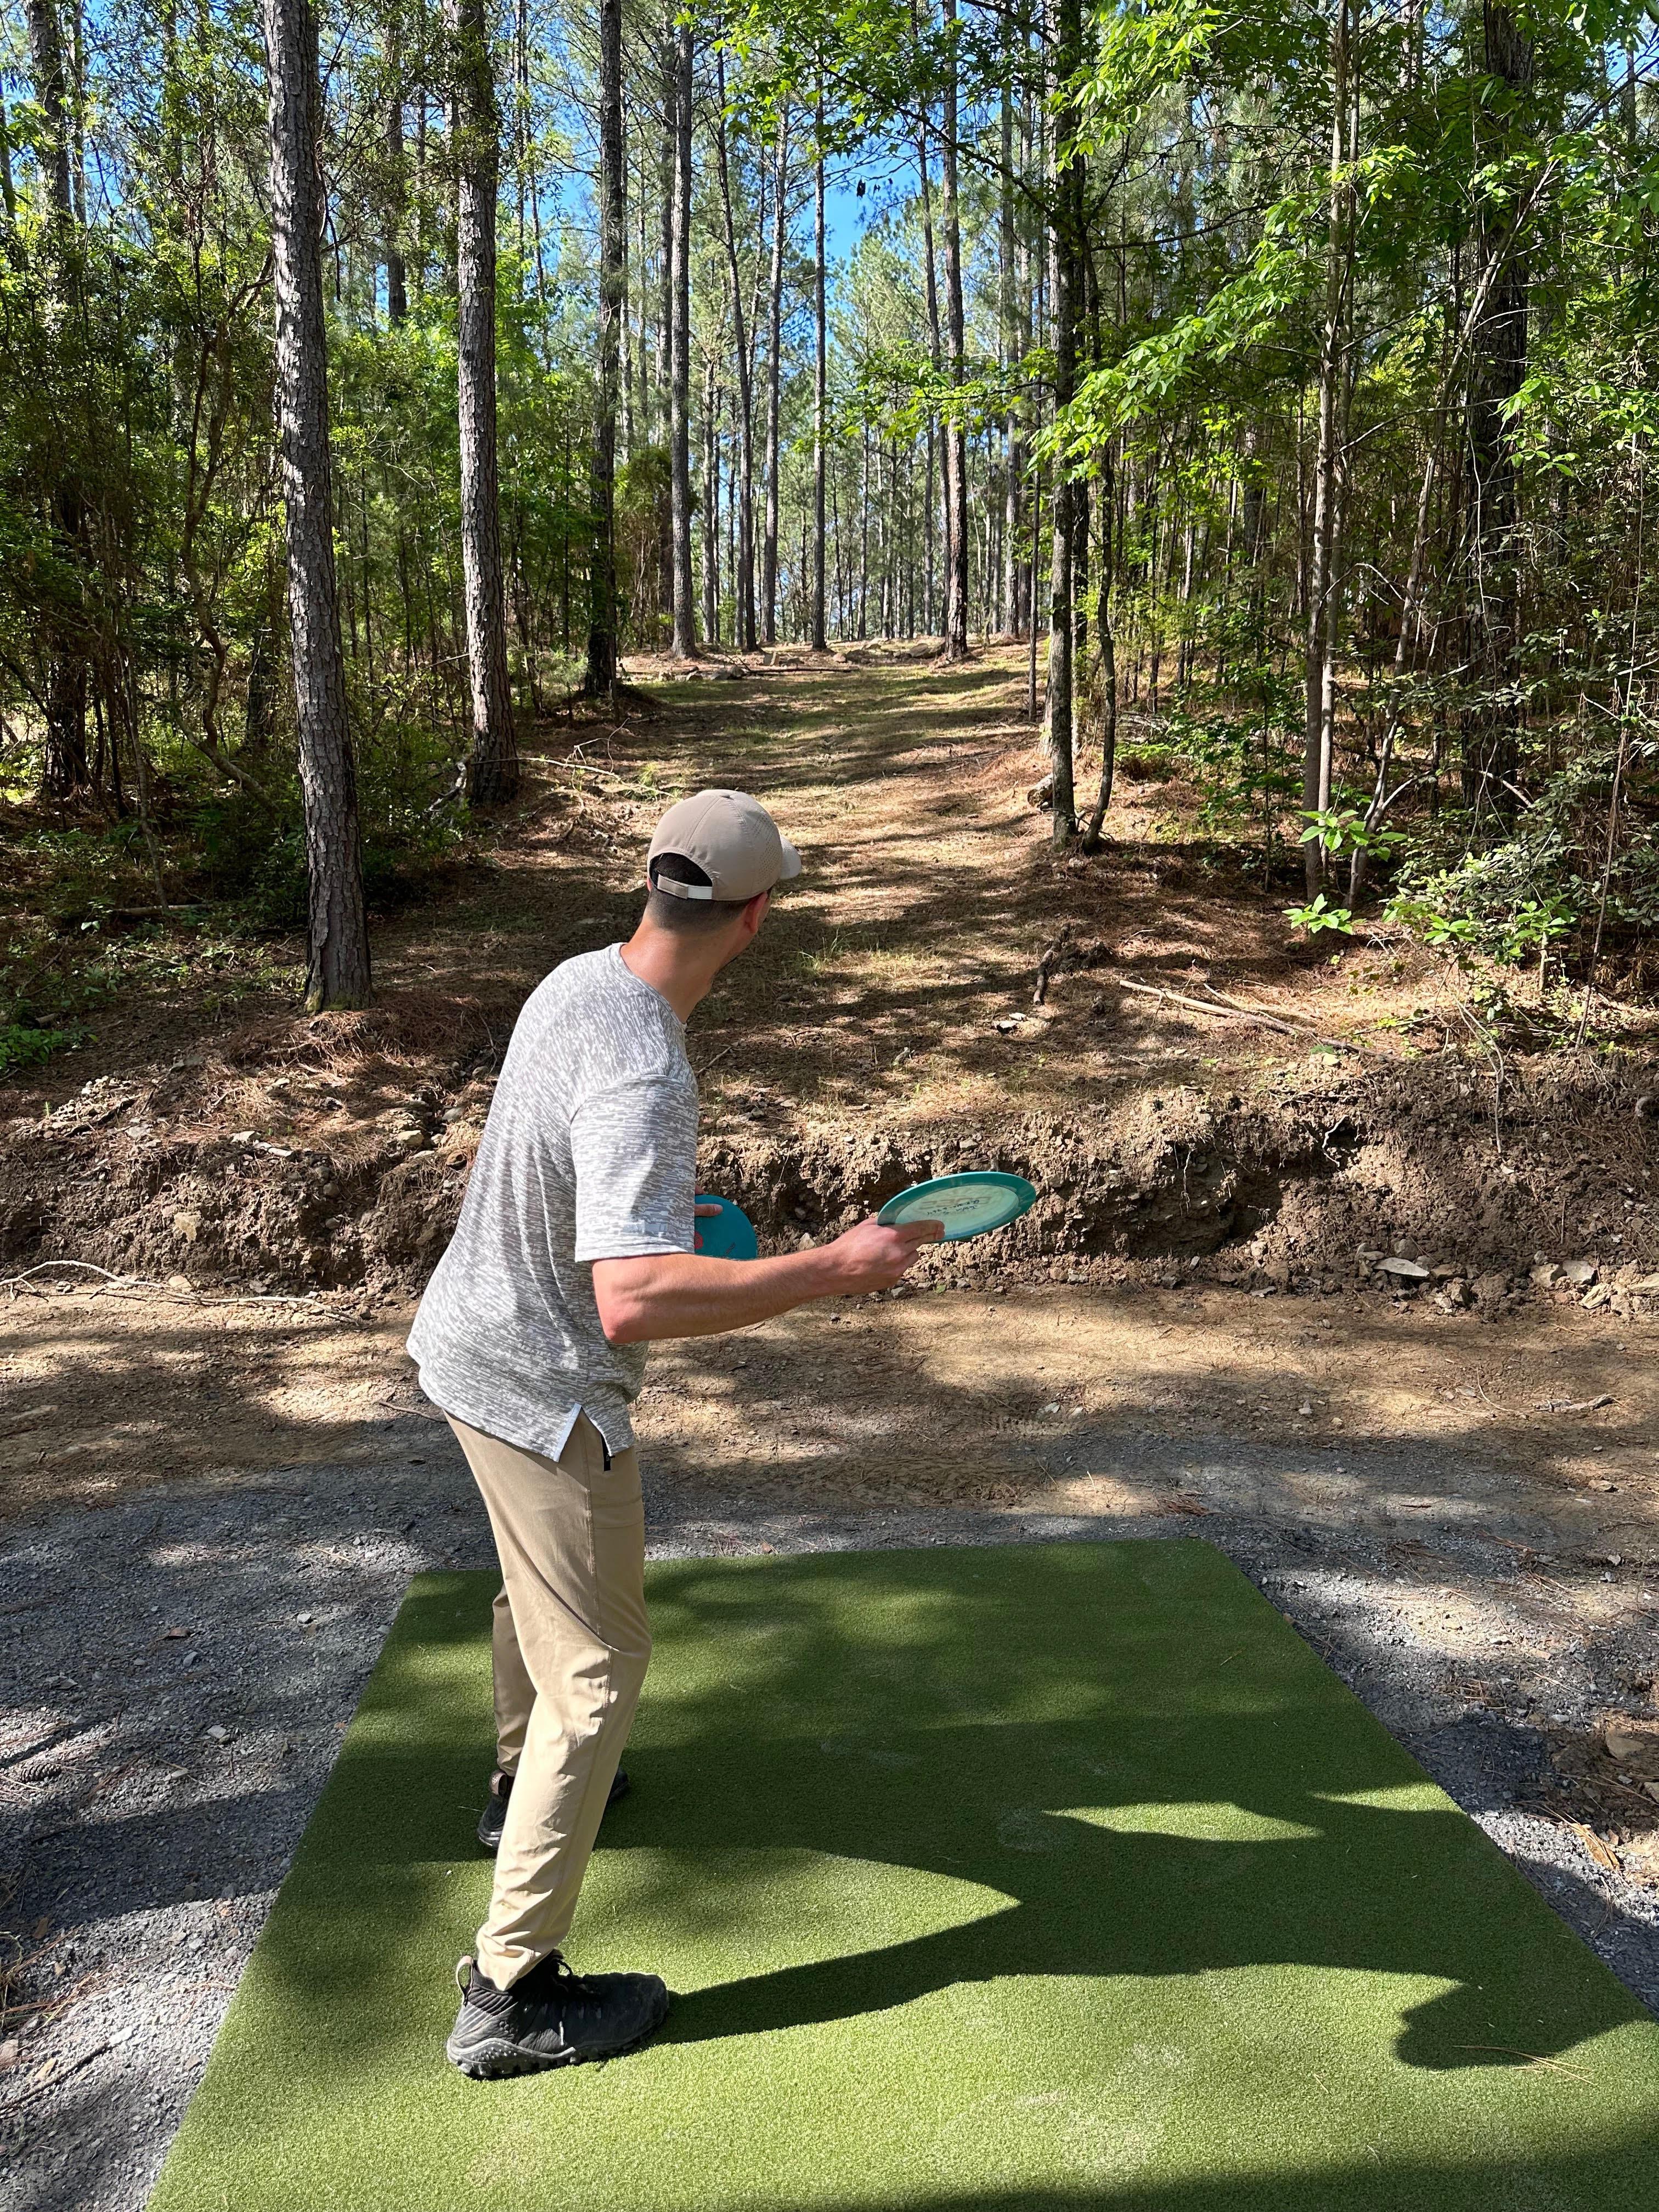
(494, 1817)
(551, 2016)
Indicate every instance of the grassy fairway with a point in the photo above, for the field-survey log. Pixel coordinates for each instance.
(1034, 1877)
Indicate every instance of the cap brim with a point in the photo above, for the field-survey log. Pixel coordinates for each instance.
(790, 860)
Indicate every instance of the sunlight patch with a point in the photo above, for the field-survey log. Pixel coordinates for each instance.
(1218, 1823)
(792, 1908)
(1401, 1798)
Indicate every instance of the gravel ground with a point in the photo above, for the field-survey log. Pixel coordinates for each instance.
(179, 1670)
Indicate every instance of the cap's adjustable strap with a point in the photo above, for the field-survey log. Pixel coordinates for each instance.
(680, 890)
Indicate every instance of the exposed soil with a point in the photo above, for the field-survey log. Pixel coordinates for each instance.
(938, 988)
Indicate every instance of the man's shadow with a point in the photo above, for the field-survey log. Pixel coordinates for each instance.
(1338, 1857)
(1121, 1740)
(1314, 1882)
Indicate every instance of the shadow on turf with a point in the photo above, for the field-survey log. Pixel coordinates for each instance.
(1597, 2180)
(862, 1706)
(1099, 1902)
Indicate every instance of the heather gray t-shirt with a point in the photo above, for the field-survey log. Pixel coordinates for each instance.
(589, 1153)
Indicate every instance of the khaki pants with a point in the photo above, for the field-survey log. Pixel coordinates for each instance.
(571, 1645)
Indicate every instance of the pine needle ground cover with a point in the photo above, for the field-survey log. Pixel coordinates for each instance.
(1035, 1877)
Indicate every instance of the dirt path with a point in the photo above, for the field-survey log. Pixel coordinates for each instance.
(886, 1024)
(1450, 1489)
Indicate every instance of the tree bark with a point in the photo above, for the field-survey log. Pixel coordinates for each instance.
(51, 93)
(863, 630)
(1320, 736)
(1065, 31)
(492, 774)
(63, 764)
(956, 438)
(745, 555)
(711, 503)
(338, 970)
(9, 203)
(773, 387)
(936, 355)
(667, 159)
(1491, 731)
(1013, 450)
(397, 280)
(820, 389)
(679, 407)
(1108, 650)
(599, 677)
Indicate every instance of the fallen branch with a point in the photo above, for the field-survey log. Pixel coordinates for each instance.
(1068, 953)
(147, 1283)
(1230, 1006)
(1242, 1006)
(448, 797)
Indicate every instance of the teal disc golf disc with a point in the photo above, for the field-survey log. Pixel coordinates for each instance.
(967, 1204)
(727, 1235)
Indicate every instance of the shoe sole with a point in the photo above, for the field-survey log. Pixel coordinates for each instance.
(501, 2061)
(492, 1842)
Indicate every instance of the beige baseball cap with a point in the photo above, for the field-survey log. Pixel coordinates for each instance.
(733, 839)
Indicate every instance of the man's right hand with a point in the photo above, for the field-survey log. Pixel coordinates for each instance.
(873, 1256)
(645, 1299)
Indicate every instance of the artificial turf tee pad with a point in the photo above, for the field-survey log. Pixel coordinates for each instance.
(1034, 1877)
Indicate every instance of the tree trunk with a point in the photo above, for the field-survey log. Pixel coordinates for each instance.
(630, 353)
(397, 281)
(1031, 597)
(1013, 451)
(1065, 197)
(1320, 736)
(774, 386)
(63, 765)
(820, 391)
(711, 505)
(51, 93)
(667, 165)
(1491, 731)
(1106, 646)
(745, 553)
(492, 774)
(936, 355)
(599, 677)
(956, 438)
(679, 410)
(338, 969)
(9, 203)
(927, 533)
(863, 630)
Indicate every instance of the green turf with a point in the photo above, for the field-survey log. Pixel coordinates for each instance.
(1037, 1877)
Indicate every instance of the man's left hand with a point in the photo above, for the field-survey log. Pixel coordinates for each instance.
(703, 1213)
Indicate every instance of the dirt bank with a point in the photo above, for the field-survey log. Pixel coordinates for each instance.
(1194, 1090)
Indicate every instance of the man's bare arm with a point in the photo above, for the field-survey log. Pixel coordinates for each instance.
(672, 1294)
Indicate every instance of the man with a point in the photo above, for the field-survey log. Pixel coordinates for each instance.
(575, 1249)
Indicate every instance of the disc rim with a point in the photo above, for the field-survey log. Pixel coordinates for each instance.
(1023, 1192)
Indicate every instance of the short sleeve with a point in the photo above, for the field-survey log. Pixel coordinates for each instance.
(634, 1151)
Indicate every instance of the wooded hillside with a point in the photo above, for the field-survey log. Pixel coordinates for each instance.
(376, 381)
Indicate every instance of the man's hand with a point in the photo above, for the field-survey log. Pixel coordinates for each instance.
(642, 1301)
(704, 1213)
(873, 1257)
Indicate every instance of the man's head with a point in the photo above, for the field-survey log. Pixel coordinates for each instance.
(714, 862)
